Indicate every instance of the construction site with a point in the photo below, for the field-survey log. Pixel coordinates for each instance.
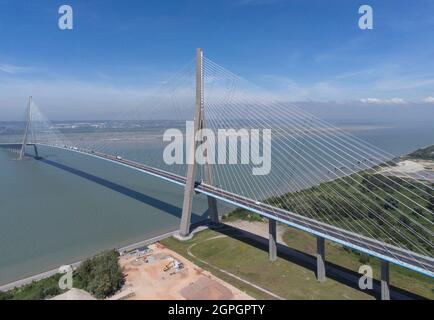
(156, 273)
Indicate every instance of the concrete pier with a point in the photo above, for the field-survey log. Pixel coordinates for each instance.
(320, 259)
(184, 229)
(385, 291)
(199, 123)
(213, 213)
(272, 242)
(36, 151)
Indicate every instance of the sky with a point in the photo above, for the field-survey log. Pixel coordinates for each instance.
(307, 51)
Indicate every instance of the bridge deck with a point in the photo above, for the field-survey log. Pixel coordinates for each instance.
(388, 252)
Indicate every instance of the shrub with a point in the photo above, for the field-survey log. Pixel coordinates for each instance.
(5, 295)
(391, 203)
(101, 275)
(364, 258)
(430, 205)
(51, 292)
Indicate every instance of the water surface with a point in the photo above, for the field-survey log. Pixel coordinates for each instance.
(68, 206)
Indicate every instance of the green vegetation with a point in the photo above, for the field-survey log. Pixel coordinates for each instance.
(383, 205)
(371, 200)
(101, 276)
(351, 259)
(283, 278)
(423, 154)
(286, 279)
(38, 290)
(241, 214)
(379, 203)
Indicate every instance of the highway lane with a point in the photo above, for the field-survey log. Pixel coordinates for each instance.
(400, 256)
(328, 231)
(375, 247)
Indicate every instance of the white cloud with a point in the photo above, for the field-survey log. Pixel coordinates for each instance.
(13, 69)
(403, 83)
(288, 89)
(429, 100)
(382, 101)
(67, 99)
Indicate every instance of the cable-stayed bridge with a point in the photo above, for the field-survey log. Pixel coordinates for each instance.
(323, 180)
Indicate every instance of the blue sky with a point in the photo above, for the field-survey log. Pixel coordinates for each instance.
(302, 50)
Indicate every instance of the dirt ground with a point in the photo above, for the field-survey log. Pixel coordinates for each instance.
(257, 227)
(410, 166)
(147, 280)
(417, 169)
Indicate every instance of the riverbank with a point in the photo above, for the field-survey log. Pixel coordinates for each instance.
(49, 273)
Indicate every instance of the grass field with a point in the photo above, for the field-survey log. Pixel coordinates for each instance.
(286, 279)
(399, 277)
(390, 209)
(215, 252)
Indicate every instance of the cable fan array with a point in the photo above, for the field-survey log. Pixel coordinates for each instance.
(317, 170)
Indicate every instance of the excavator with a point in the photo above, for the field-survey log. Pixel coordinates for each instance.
(173, 264)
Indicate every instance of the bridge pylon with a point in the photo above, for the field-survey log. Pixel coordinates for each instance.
(27, 129)
(199, 123)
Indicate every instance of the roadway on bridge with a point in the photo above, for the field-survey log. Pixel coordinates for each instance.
(396, 255)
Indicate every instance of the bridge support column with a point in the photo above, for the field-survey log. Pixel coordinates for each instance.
(36, 151)
(272, 243)
(385, 292)
(209, 179)
(320, 259)
(184, 229)
(28, 124)
(212, 209)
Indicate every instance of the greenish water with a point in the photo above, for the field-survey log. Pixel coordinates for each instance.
(70, 206)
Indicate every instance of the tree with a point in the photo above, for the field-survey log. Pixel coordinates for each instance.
(404, 219)
(364, 258)
(390, 203)
(5, 295)
(430, 204)
(101, 275)
(418, 210)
